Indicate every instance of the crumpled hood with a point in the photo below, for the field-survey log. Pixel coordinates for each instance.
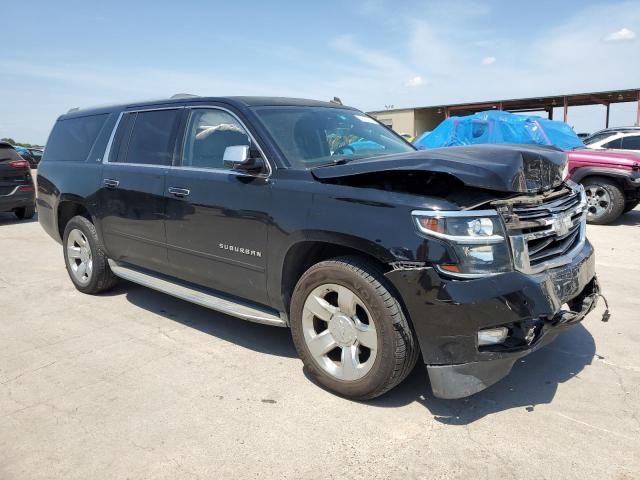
(504, 168)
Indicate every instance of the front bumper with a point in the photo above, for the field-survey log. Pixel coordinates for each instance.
(447, 314)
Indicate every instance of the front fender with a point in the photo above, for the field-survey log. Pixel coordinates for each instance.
(631, 178)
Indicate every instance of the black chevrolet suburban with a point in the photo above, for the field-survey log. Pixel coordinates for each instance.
(314, 216)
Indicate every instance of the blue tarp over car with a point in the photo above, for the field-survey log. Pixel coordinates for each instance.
(500, 127)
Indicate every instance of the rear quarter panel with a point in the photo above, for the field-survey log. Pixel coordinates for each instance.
(66, 181)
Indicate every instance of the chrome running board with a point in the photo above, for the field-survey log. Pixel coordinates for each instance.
(199, 297)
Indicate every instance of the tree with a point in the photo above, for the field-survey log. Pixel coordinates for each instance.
(19, 144)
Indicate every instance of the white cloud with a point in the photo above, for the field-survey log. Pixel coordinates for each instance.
(622, 35)
(488, 60)
(415, 82)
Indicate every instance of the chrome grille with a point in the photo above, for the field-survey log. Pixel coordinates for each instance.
(545, 234)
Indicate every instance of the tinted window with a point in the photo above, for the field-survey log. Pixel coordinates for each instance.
(152, 137)
(209, 133)
(121, 138)
(617, 143)
(71, 139)
(631, 143)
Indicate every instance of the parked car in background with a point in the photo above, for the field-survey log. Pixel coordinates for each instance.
(27, 155)
(611, 178)
(622, 138)
(17, 193)
(314, 216)
(37, 154)
(583, 135)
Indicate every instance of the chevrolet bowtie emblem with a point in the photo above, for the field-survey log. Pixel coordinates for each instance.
(562, 224)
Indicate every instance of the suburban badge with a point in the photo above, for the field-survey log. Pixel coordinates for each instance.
(244, 251)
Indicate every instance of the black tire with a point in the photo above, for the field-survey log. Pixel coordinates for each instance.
(25, 213)
(614, 207)
(397, 346)
(630, 205)
(101, 278)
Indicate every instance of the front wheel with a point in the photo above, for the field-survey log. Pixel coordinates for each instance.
(605, 200)
(349, 329)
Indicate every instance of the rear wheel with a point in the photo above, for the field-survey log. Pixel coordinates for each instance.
(605, 200)
(25, 213)
(349, 330)
(85, 258)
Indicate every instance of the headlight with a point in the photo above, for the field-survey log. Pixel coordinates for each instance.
(477, 238)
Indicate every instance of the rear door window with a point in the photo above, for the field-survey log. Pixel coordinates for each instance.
(147, 138)
(71, 139)
(631, 143)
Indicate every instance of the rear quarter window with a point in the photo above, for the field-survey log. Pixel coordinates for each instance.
(71, 139)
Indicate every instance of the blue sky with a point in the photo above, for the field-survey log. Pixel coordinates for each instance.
(370, 53)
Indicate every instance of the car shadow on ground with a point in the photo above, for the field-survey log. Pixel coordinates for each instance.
(10, 219)
(533, 381)
(253, 336)
(631, 218)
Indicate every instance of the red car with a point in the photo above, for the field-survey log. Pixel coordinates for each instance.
(611, 179)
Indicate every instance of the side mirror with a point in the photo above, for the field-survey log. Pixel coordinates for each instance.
(239, 157)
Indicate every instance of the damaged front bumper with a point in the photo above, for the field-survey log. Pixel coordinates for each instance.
(447, 315)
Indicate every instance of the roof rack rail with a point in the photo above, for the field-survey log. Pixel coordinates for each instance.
(182, 95)
(74, 109)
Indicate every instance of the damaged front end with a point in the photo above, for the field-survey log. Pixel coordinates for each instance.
(524, 272)
(496, 168)
(500, 263)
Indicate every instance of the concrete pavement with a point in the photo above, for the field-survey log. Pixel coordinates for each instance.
(136, 384)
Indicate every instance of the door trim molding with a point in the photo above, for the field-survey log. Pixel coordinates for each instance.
(211, 256)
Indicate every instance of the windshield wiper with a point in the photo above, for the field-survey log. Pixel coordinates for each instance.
(341, 161)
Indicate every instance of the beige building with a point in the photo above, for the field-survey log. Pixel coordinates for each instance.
(418, 120)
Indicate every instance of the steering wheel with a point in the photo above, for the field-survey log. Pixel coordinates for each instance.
(341, 150)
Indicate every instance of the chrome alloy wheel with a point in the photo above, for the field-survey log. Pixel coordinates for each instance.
(339, 331)
(79, 256)
(598, 201)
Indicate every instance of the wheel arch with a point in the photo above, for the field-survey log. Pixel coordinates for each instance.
(582, 173)
(309, 249)
(68, 207)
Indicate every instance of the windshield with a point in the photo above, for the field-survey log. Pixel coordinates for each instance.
(597, 137)
(314, 136)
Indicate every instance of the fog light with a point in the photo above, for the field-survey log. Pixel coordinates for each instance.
(492, 336)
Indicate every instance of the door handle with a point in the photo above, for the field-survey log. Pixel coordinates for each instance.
(179, 192)
(110, 183)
